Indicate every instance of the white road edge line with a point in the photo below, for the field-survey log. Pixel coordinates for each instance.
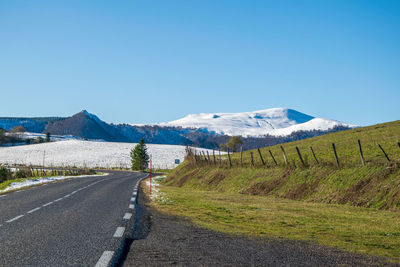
(15, 218)
(105, 259)
(58, 199)
(119, 232)
(34, 210)
(127, 216)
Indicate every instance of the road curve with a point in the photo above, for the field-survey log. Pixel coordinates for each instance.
(81, 221)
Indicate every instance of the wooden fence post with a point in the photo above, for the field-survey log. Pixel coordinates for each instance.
(204, 155)
(273, 158)
(252, 159)
(361, 152)
(262, 160)
(229, 158)
(301, 159)
(315, 157)
(241, 156)
(195, 157)
(336, 157)
(284, 155)
(215, 162)
(387, 157)
(398, 144)
(220, 159)
(208, 158)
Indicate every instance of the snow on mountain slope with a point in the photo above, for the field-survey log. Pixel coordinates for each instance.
(274, 121)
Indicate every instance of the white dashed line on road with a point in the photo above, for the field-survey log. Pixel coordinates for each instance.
(47, 204)
(15, 218)
(119, 232)
(127, 216)
(34, 210)
(131, 206)
(105, 259)
(133, 199)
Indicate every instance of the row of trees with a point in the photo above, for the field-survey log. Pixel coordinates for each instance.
(15, 136)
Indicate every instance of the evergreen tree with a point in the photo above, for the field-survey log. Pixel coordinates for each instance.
(139, 156)
(47, 137)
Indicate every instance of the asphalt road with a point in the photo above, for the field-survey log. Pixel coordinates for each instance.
(77, 222)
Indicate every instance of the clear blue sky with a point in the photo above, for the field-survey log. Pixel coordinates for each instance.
(152, 61)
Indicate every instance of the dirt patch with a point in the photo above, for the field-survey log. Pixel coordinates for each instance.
(181, 180)
(217, 178)
(394, 200)
(301, 190)
(364, 191)
(264, 187)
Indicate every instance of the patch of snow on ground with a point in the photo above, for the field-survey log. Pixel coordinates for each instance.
(90, 154)
(37, 181)
(155, 192)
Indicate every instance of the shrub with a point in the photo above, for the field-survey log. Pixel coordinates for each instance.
(5, 173)
(21, 174)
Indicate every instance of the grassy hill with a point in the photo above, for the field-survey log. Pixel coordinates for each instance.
(376, 184)
(352, 206)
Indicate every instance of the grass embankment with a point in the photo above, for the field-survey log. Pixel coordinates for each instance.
(352, 207)
(377, 184)
(354, 229)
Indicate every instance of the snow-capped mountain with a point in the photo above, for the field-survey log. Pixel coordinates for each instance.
(258, 128)
(274, 121)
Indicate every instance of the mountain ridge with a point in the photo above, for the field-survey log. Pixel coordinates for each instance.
(88, 126)
(274, 121)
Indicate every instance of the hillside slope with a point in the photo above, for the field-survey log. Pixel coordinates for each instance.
(377, 184)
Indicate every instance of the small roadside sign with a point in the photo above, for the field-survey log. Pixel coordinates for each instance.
(177, 161)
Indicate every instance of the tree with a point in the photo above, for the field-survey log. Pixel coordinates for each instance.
(18, 129)
(139, 156)
(47, 137)
(234, 142)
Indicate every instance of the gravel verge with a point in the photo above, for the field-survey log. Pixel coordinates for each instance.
(164, 240)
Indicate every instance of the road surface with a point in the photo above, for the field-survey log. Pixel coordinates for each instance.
(81, 221)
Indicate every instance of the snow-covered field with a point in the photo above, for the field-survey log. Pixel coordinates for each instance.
(88, 153)
(32, 182)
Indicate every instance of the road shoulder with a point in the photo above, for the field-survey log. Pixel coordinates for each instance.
(165, 240)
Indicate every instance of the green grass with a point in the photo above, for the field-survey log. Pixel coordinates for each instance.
(355, 229)
(353, 207)
(386, 134)
(377, 184)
